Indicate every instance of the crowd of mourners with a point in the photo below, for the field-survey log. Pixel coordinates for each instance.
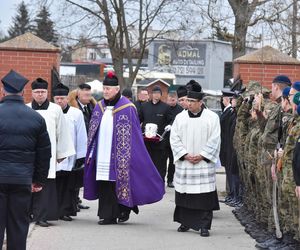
(121, 152)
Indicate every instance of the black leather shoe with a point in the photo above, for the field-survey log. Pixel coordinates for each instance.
(124, 217)
(170, 185)
(204, 232)
(107, 221)
(182, 229)
(80, 206)
(65, 218)
(42, 223)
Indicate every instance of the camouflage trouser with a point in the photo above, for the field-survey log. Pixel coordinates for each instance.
(282, 205)
(291, 212)
(260, 195)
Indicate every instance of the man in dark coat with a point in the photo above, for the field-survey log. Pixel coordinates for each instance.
(25, 151)
(225, 120)
(159, 113)
(142, 97)
(175, 109)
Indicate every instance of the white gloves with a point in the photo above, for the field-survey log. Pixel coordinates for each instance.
(168, 128)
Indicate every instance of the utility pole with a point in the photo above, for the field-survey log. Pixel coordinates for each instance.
(294, 29)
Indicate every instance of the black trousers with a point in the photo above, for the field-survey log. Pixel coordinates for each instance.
(44, 203)
(66, 194)
(14, 215)
(171, 166)
(159, 155)
(108, 206)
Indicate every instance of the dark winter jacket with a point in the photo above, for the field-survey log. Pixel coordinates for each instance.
(25, 148)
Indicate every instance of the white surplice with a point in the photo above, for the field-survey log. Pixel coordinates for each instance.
(197, 135)
(59, 133)
(75, 121)
(104, 144)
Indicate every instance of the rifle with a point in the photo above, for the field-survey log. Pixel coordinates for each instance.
(274, 202)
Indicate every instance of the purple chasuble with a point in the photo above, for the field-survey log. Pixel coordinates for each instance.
(137, 179)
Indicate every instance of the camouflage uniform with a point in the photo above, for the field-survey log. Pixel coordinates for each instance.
(283, 206)
(291, 215)
(269, 144)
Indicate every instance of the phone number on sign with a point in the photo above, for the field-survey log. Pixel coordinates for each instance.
(188, 70)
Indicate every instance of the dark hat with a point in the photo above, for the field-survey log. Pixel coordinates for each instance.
(195, 91)
(127, 93)
(84, 86)
(296, 86)
(227, 93)
(111, 79)
(14, 82)
(181, 91)
(156, 88)
(189, 84)
(286, 92)
(296, 98)
(282, 79)
(39, 83)
(60, 90)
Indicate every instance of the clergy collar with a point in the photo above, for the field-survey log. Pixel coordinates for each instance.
(192, 115)
(114, 101)
(66, 109)
(36, 106)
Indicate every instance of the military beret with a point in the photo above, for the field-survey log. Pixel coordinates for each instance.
(296, 86)
(13, 82)
(296, 98)
(282, 79)
(286, 91)
(298, 109)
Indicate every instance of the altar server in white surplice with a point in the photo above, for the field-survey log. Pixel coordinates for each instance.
(67, 179)
(195, 142)
(44, 203)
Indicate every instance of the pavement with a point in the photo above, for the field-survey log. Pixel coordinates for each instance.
(152, 229)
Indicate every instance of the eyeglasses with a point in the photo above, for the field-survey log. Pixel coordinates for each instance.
(40, 92)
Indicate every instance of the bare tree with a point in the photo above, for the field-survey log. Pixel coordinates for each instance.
(118, 17)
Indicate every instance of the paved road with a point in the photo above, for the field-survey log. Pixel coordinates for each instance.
(152, 229)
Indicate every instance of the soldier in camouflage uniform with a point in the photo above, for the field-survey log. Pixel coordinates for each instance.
(286, 119)
(270, 140)
(291, 215)
(241, 132)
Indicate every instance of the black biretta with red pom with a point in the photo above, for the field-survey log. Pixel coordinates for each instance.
(111, 79)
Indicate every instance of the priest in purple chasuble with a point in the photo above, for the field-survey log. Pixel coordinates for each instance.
(118, 169)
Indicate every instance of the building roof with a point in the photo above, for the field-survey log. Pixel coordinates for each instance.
(149, 81)
(28, 41)
(267, 55)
